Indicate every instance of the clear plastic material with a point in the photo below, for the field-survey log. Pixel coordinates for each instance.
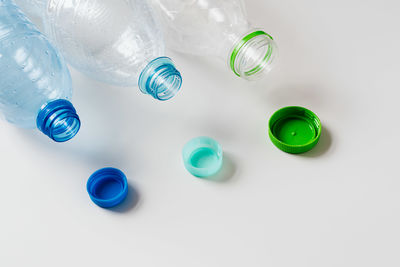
(32, 7)
(217, 28)
(111, 41)
(34, 79)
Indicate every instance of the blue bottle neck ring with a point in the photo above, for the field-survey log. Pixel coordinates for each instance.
(160, 79)
(58, 120)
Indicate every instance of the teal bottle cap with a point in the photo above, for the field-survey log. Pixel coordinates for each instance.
(202, 156)
(294, 130)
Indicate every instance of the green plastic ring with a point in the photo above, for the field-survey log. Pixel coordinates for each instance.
(239, 46)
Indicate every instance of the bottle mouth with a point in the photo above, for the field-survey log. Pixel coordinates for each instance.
(58, 120)
(160, 79)
(254, 55)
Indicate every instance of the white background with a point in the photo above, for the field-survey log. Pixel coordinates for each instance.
(337, 205)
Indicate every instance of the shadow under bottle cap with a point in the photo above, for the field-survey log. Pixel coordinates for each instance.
(294, 129)
(202, 156)
(107, 187)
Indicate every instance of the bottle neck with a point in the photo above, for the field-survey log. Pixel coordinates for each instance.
(253, 55)
(58, 120)
(160, 79)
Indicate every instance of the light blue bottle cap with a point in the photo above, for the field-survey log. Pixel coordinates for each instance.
(107, 187)
(202, 156)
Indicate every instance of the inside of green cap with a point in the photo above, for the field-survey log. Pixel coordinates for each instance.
(294, 129)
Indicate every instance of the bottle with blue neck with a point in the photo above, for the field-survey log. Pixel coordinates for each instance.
(117, 42)
(35, 84)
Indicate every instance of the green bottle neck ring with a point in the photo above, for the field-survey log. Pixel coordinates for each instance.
(246, 43)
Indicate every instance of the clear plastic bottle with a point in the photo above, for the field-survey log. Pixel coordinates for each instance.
(217, 28)
(114, 41)
(35, 84)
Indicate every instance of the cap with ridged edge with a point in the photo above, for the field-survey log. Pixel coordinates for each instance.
(202, 156)
(107, 187)
(294, 129)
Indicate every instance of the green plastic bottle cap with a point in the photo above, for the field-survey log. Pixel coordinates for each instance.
(294, 130)
(202, 156)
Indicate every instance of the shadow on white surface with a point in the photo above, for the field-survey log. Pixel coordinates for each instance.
(131, 202)
(106, 135)
(83, 150)
(227, 171)
(308, 96)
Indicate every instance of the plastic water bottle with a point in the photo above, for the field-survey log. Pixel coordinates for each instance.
(217, 28)
(35, 84)
(116, 41)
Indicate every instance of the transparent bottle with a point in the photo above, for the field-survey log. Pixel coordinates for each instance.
(35, 84)
(217, 28)
(116, 41)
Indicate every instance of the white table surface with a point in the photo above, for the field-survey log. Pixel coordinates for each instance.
(337, 205)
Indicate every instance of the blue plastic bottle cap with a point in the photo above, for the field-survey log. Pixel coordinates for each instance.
(107, 187)
(202, 156)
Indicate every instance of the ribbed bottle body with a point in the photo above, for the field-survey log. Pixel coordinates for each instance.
(217, 28)
(202, 27)
(111, 41)
(32, 72)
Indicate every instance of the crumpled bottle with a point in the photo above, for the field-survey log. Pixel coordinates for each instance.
(217, 28)
(117, 42)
